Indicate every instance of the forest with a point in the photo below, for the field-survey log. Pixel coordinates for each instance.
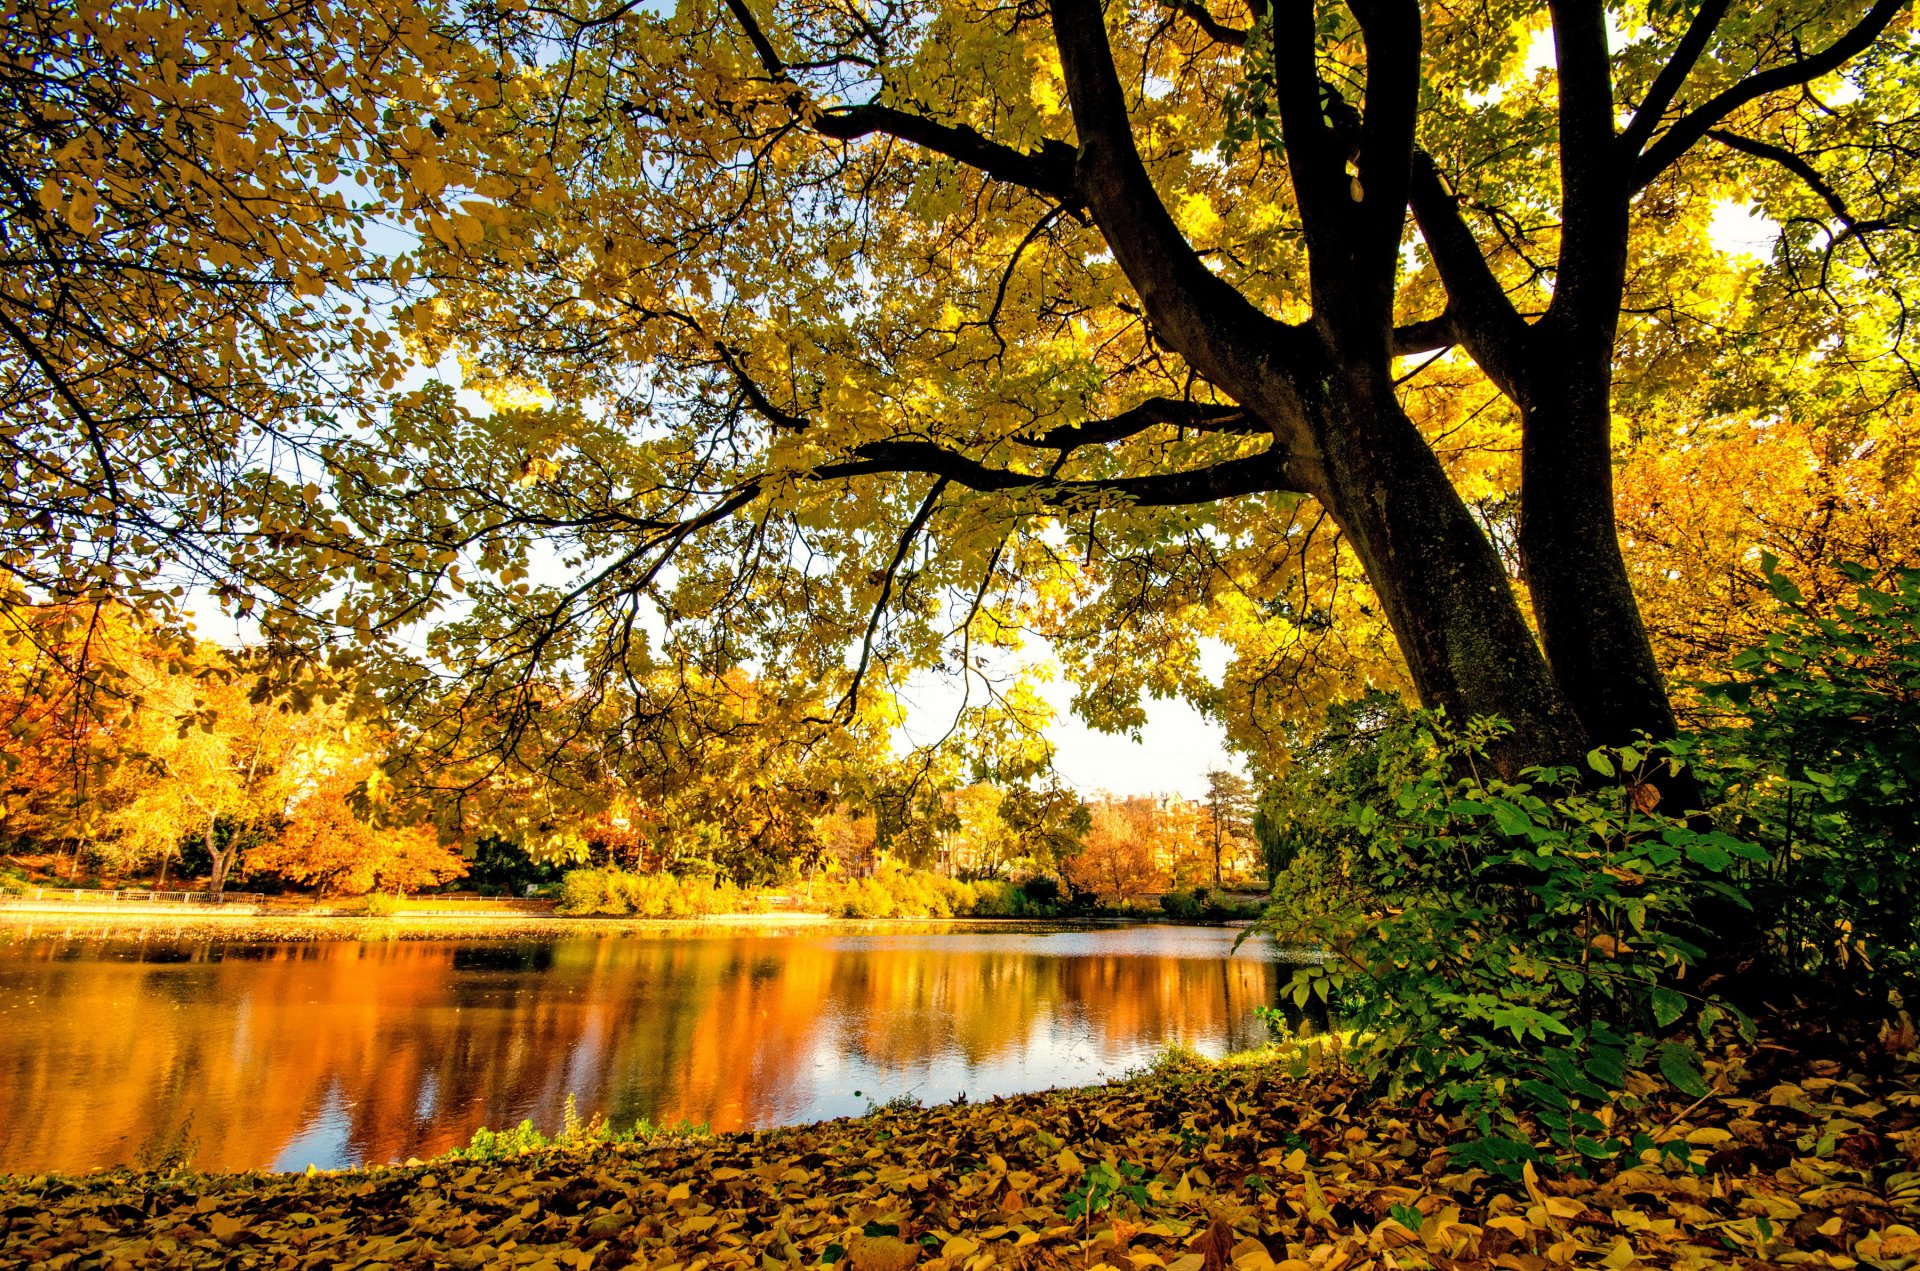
(460, 441)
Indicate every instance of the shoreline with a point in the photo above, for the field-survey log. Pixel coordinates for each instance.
(269, 927)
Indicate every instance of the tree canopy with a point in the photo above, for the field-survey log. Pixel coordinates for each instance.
(840, 341)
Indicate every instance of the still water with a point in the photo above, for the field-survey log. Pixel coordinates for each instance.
(338, 1052)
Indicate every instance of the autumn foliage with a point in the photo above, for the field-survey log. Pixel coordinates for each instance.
(328, 847)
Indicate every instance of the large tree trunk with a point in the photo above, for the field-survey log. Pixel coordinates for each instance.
(1590, 624)
(1446, 595)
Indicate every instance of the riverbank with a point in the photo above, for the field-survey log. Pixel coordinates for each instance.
(300, 927)
(1198, 1170)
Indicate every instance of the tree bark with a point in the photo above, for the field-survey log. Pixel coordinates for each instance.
(1590, 623)
(219, 859)
(1445, 592)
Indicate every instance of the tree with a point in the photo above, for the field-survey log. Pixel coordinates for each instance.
(1119, 859)
(202, 757)
(1229, 811)
(1049, 824)
(847, 346)
(325, 843)
(958, 275)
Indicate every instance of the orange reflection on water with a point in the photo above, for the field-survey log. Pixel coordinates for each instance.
(337, 1052)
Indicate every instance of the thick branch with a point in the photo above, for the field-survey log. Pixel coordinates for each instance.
(1428, 335)
(1048, 170)
(1254, 358)
(1694, 125)
(1152, 412)
(1660, 94)
(1480, 312)
(1316, 154)
(1593, 247)
(1391, 30)
(1252, 474)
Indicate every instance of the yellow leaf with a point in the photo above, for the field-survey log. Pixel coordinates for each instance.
(881, 1253)
(225, 1229)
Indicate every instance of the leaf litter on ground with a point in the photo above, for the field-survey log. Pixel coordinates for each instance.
(1241, 1167)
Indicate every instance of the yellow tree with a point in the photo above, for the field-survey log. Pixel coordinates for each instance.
(1115, 311)
(841, 345)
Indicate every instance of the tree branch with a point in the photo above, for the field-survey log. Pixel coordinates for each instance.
(1153, 411)
(1202, 17)
(1428, 335)
(1478, 309)
(850, 702)
(1047, 171)
(1391, 33)
(1251, 474)
(1808, 174)
(1694, 125)
(1660, 94)
(1593, 245)
(1254, 358)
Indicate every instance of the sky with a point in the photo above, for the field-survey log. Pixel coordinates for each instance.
(1176, 748)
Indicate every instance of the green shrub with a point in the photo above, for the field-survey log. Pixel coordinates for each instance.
(1185, 905)
(1514, 946)
(1820, 762)
(494, 1145)
(997, 898)
(382, 904)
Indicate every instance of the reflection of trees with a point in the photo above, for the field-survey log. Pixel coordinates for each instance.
(424, 1041)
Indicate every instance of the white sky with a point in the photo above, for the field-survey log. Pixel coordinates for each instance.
(1178, 746)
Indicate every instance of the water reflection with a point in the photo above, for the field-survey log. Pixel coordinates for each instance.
(281, 1055)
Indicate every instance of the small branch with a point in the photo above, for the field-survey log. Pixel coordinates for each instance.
(1216, 30)
(1694, 125)
(1660, 94)
(1793, 163)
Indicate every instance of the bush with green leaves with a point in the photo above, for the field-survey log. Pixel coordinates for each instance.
(1518, 947)
(1818, 759)
(574, 1132)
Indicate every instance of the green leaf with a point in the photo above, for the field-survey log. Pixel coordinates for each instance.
(1681, 1067)
(1598, 761)
(1708, 856)
(1668, 1006)
(1510, 819)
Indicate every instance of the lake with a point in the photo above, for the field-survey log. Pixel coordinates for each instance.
(342, 1052)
